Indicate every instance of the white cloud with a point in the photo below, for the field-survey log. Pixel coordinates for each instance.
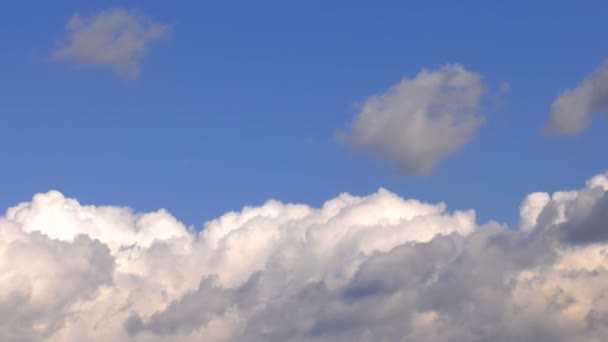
(572, 111)
(421, 121)
(114, 38)
(370, 268)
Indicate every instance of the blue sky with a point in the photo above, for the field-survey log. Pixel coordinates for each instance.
(242, 102)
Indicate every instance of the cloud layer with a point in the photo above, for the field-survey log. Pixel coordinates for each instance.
(115, 38)
(369, 268)
(418, 122)
(572, 111)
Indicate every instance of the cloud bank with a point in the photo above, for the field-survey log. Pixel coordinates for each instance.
(572, 111)
(418, 122)
(373, 268)
(115, 38)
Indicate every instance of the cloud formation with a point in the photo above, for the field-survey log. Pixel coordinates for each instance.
(572, 111)
(115, 38)
(370, 268)
(418, 122)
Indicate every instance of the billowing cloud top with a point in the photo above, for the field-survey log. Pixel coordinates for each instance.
(419, 122)
(357, 269)
(115, 38)
(572, 110)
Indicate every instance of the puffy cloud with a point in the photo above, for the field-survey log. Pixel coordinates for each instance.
(418, 122)
(370, 268)
(574, 108)
(114, 38)
(41, 280)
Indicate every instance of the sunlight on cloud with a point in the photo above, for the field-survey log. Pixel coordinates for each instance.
(358, 268)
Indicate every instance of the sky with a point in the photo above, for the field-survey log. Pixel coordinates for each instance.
(313, 171)
(242, 102)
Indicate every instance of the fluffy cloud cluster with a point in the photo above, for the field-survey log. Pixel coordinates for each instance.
(374, 268)
(419, 122)
(114, 38)
(572, 111)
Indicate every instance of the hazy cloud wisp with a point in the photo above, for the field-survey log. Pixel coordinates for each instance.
(114, 38)
(572, 111)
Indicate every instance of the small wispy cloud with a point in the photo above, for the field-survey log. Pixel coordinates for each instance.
(115, 38)
(574, 108)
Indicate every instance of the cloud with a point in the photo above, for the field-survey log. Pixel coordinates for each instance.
(419, 122)
(41, 279)
(370, 268)
(115, 38)
(572, 111)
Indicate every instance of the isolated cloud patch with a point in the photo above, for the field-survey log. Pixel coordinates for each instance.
(418, 122)
(572, 111)
(115, 38)
(370, 268)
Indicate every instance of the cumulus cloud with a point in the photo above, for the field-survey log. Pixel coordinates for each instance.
(418, 122)
(115, 38)
(370, 268)
(572, 111)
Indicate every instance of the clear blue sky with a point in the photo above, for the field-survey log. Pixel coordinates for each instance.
(251, 94)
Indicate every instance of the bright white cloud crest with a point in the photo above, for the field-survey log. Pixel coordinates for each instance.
(115, 38)
(421, 121)
(359, 268)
